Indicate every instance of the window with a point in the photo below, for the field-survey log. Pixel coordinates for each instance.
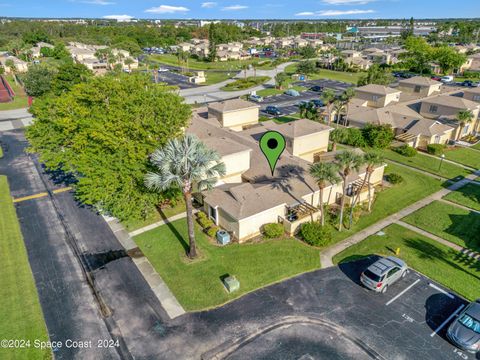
(437, 139)
(476, 97)
(470, 323)
(417, 88)
(433, 108)
(393, 272)
(213, 214)
(375, 97)
(372, 276)
(465, 129)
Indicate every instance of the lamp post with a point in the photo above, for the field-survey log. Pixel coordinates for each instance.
(441, 161)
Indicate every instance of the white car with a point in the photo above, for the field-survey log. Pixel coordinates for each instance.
(162, 70)
(255, 98)
(447, 79)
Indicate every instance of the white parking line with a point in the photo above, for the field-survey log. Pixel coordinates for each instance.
(441, 290)
(403, 292)
(446, 321)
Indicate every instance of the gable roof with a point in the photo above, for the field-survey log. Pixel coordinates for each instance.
(297, 128)
(232, 105)
(420, 80)
(377, 89)
(452, 101)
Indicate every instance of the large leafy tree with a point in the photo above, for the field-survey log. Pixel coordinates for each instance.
(68, 75)
(38, 80)
(184, 163)
(324, 173)
(102, 132)
(448, 59)
(348, 161)
(376, 75)
(418, 55)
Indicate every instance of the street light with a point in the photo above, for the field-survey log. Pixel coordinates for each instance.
(441, 161)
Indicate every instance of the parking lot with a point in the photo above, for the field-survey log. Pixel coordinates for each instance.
(286, 103)
(327, 314)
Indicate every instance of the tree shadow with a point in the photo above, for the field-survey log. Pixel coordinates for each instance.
(467, 228)
(284, 175)
(354, 265)
(438, 307)
(174, 231)
(59, 177)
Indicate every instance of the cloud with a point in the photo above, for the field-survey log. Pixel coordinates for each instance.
(98, 2)
(234, 8)
(347, 2)
(167, 9)
(334, 12)
(118, 17)
(209, 5)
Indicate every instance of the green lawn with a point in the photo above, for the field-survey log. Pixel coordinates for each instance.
(243, 84)
(231, 65)
(449, 222)
(390, 200)
(468, 196)
(20, 313)
(437, 261)
(344, 76)
(214, 77)
(197, 285)
(20, 100)
(273, 91)
(476, 146)
(464, 156)
(428, 164)
(155, 216)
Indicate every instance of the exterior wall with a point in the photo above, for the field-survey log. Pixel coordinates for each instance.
(250, 227)
(236, 164)
(377, 175)
(235, 120)
(306, 146)
(471, 96)
(442, 110)
(224, 220)
(377, 100)
(291, 228)
(424, 90)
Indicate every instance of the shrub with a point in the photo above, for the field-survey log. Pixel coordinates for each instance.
(273, 230)
(435, 149)
(204, 221)
(357, 213)
(313, 233)
(212, 231)
(394, 178)
(378, 136)
(348, 136)
(406, 150)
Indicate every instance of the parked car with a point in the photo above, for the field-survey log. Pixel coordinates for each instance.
(468, 83)
(316, 88)
(163, 70)
(447, 79)
(273, 110)
(301, 102)
(436, 78)
(317, 103)
(383, 273)
(255, 98)
(464, 332)
(292, 92)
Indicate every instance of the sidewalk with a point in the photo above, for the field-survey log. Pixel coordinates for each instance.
(327, 254)
(166, 298)
(160, 223)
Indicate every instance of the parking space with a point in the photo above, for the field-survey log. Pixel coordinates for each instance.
(413, 315)
(172, 78)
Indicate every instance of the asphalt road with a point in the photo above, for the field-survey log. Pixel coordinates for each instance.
(325, 314)
(65, 241)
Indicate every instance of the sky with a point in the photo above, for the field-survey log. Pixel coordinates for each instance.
(241, 9)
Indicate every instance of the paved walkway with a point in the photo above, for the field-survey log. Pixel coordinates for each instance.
(166, 298)
(327, 255)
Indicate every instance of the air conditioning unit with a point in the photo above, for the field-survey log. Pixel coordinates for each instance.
(223, 237)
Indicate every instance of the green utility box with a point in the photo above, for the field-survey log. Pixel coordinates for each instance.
(231, 284)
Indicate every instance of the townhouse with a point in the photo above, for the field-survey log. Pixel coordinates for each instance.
(249, 196)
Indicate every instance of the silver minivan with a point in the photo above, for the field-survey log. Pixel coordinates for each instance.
(383, 273)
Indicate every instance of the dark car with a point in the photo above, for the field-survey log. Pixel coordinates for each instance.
(464, 332)
(467, 83)
(436, 78)
(316, 88)
(317, 103)
(273, 110)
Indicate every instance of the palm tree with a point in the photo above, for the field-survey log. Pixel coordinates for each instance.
(346, 97)
(371, 159)
(324, 173)
(463, 118)
(328, 96)
(185, 162)
(339, 109)
(348, 161)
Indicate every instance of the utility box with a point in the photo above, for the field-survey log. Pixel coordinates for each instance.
(223, 237)
(231, 283)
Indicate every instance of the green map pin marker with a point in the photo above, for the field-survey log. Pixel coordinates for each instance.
(272, 144)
